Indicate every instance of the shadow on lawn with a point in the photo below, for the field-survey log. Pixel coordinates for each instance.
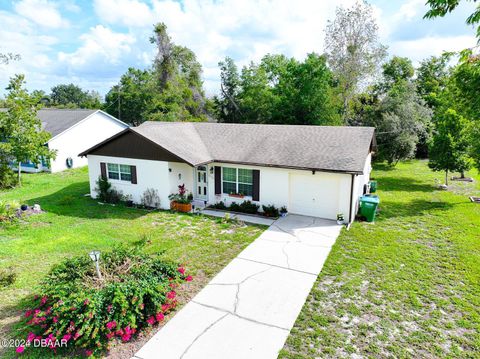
(416, 207)
(71, 201)
(404, 184)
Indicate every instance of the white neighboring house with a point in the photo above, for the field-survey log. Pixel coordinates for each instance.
(73, 131)
(318, 171)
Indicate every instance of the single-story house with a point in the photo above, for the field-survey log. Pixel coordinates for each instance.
(312, 170)
(73, 131)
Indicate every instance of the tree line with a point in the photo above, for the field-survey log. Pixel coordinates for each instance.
(429, 111)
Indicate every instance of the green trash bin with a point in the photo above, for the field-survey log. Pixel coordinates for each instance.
(373, 186)
(368, 207)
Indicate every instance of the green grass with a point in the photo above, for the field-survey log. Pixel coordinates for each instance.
(74, 224)
(407, 286)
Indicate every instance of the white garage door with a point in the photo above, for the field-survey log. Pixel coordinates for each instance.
(314, 195)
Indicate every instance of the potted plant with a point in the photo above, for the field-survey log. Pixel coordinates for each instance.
(181, 201)
(340, 218)
(283, 211)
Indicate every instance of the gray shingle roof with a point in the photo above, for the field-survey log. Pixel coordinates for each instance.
(328, 148)
(56, 121)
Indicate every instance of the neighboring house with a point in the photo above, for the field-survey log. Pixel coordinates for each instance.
(73, 131)
(312, 170)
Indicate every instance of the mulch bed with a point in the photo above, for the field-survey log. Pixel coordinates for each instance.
(464, 179)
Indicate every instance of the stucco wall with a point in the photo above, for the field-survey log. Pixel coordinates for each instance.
(186, 176)
(80, 137)
(150, 174)
(275, 187)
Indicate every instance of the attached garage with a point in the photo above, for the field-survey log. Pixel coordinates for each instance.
(314, 195)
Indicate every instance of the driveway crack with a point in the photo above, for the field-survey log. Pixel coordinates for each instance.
(202, 333)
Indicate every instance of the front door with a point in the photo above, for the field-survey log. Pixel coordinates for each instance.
(201, 190)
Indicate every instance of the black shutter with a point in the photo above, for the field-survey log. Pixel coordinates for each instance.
(103, 170)
(218, 180)
(256, 185)
(133, 171)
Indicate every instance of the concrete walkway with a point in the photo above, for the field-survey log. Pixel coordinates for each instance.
(248, 309)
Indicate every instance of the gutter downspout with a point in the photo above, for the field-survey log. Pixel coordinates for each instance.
(350, 219)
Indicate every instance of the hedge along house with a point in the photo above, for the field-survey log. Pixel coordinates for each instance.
(317, 171)
(73, 131)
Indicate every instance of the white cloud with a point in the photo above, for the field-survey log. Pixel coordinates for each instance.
(41, 12)
(125, 12)
(100, 46)
(422, 48)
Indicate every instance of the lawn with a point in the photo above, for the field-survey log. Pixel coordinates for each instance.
(74, 224)
(407, 286)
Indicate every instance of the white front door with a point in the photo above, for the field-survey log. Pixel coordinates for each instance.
(201, 187)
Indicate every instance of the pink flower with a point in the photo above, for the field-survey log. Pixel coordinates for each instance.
(20, 349)
(55, 319)
(76, 335)
(165, 307)
(128, 330)
(171, 294)
(159, 316)
(88, 352)
(28, 313)
(109, 308)
(126, 337)
(189, 278)
(35, 312)
(110, 335)
(31, 336)
(43, 300)
(119, 332)
(67, 337)
(151, 320)
(111, 325)
(181, 270)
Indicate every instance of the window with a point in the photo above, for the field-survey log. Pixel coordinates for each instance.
(237, 180)
(119, 172)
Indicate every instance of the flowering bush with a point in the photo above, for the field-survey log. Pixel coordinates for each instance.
(77, 308)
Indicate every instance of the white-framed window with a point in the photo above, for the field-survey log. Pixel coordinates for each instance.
(237, 181)
(119, 172)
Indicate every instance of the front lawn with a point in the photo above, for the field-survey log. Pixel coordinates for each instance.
(407, 286)
(75, 224)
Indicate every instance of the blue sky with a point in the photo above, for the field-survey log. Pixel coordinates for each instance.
(91, 43)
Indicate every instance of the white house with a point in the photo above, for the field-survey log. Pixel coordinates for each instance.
(73, 131)
(312, 170)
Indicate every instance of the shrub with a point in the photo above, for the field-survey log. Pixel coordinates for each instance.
(150, 198)
(235, 207)
(219, 205)
(8, 210)
(249, 207)
(283, 209)
(105, 192)
(7, 277)
(270, 211)
(136, 292)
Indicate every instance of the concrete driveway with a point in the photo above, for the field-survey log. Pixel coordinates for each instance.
(248, 309)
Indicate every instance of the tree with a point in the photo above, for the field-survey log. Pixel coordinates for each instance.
(6, 58)
(432, 77)
(21, 129)
(396, 70)
(131, 99)
(227, 104)
(72, 96)
(450, 146)
(278, 90)
(353, 50)
(439, 8)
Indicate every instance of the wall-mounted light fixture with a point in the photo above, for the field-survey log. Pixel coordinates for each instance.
(179, 176)
(169, 170)
(313, 172)
(211, 170)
